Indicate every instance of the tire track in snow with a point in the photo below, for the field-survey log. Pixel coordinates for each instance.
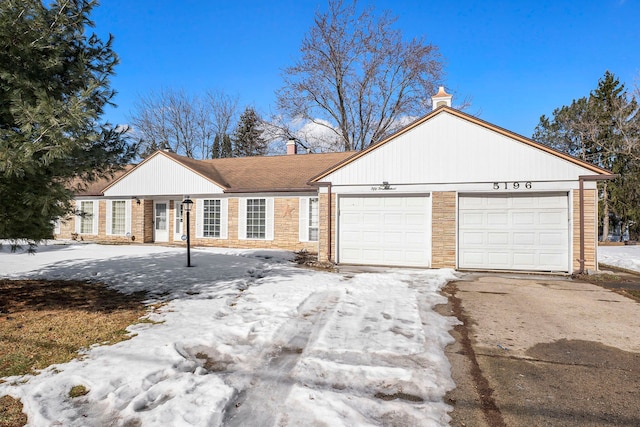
(260, 405)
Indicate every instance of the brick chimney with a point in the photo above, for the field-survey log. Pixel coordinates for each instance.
(292, 148)
(441, 98)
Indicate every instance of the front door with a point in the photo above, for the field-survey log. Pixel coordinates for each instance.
(161, 221)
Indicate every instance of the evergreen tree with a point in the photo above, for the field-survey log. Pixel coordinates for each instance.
(215, 149)
(603, 129)
(222, 146)
(54, 85)
(247, 138)
(226, 149)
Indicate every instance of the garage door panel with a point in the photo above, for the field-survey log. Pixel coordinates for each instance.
(470, 257)
(513, 232)
(557, 218)
(500, 219)
(498, 258)
(495, 203)
(470, 238)
(392, 219)
(391, 230)
(370, 237)
(351, 218)
(472, 218)
(523, 218)
(494, 238)
(552, 239)
(524, 239)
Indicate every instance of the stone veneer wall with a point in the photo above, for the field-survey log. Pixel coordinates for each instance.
(324, 224)
(590, 229)
(443, 229)
(286, 227)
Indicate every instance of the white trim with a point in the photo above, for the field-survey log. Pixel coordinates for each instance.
(94, 214)
(242, 218)
(199, 218)
(109, 217)
(303, 219)
(127, 217)
(269, 232)
(224, 218)
(269, 227)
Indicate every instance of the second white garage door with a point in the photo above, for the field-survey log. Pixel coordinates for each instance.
(513, 232)
(389, 230)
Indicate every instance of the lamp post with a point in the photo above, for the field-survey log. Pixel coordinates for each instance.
(187, 202)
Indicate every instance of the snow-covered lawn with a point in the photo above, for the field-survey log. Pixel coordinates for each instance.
(247, 339)
(620, 256)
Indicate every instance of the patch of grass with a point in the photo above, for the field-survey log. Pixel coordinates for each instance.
(631, 293)
(601, 278)
(77, 391)
(11, 414)
(48, 322)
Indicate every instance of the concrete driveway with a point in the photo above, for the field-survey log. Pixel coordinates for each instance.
(542, 351)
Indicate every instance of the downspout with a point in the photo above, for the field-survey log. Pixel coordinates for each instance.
(329, 223)
(581, 180)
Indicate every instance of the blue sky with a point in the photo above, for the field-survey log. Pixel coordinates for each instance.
(515, 60)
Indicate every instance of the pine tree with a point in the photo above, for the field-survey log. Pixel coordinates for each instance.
(247, 138)
(604, 129)
(54, 85)
(226, 149)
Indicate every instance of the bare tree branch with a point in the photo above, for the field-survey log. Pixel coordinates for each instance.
(357, 76)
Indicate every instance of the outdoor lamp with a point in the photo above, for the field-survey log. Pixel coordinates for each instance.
(186, 203)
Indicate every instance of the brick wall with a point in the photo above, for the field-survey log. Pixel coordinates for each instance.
(590, 229)
(443, 228)
(323, 228)
(285, 226)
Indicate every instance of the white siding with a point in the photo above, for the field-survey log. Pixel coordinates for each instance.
(447, 149)
(162, 175)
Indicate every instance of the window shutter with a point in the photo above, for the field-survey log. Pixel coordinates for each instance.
(109, 216)
(96, 210)
(269, 220)
(78, 217)
(242, 218)
(224, 218)
(199, 219)
(127, 217)
(303, 219)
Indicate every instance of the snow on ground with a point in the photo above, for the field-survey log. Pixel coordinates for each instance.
(247, 339)
(620, 256)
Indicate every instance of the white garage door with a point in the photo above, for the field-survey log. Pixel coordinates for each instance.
(515, 232)
(385, 230)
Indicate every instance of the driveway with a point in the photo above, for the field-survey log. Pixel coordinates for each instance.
(542, 351)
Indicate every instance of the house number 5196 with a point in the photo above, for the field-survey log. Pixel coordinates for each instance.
(513, 185)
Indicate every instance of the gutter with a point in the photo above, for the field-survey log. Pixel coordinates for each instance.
(268, 190)
(581, 180)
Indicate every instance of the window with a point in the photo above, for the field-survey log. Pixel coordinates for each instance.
(309, 219)
(211, 218)
(178, 218)
(86, 217)
(313, 219)
(118, 216)
(256, 218)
